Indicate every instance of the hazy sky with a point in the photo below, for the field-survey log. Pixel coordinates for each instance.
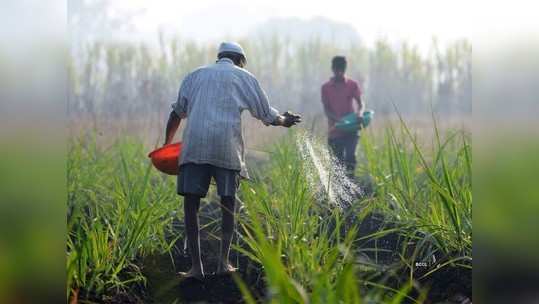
(414, 20)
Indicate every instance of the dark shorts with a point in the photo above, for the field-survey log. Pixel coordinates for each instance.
(194, 179)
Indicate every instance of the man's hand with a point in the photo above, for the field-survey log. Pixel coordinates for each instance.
(287, 119)
(291, 119)
(360, 117)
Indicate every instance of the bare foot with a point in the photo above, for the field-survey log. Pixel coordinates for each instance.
(192, 274)
(225, 269)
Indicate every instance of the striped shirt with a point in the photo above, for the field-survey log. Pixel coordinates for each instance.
(212, 98)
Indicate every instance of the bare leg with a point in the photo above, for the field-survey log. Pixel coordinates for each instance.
(190, 206)
(227, 230)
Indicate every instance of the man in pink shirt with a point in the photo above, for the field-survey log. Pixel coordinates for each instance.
(338, 95)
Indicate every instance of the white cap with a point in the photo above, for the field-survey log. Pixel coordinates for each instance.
(232, 47)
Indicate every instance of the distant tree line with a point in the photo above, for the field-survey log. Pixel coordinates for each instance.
(127, 80)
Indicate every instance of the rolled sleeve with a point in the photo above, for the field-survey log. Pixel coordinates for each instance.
(180, 106)
(271, 116)
(259, 105)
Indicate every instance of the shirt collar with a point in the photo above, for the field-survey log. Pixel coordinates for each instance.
(334, 81)
(225, 60)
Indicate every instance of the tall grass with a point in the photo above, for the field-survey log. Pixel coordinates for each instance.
(305, 247)
(119, 209)
(301, 252)
(309, 253)
(426, 191)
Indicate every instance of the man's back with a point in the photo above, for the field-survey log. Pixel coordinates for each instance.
(215, 95)
(212, 98)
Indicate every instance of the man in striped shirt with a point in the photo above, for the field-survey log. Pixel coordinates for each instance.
(212, 99)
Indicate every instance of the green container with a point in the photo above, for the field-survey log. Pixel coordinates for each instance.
(351, 123)
(367, 118)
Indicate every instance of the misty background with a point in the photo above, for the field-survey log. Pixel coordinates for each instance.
(121, 75)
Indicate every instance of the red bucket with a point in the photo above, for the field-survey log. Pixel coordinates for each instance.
(165, 159)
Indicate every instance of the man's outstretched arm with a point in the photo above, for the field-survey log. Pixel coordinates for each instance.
(173, 124)
(259, 106)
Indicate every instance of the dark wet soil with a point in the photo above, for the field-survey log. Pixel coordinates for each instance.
(447, 285)
(164, 285)
(386, 245)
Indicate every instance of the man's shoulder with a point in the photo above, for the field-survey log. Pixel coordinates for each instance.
(234, 71)
(194, 72)
(326, 84)
(201, 69)
(351, 82)
(244, 73)
(228, 67)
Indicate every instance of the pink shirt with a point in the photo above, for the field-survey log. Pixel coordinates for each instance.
(338, 98)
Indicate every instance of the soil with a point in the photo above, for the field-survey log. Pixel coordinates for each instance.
(388, 244)
(164, 285)
(448, 285)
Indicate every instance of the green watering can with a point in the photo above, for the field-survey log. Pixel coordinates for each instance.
(351, 123)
